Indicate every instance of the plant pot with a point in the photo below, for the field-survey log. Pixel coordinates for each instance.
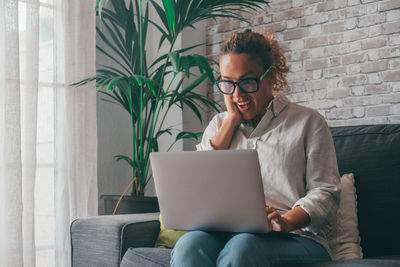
(130, 204)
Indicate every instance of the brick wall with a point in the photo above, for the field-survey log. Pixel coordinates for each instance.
(344, 55)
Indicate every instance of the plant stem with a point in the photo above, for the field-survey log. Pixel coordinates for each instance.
(134, 143)
(157, 107)
(141, 147)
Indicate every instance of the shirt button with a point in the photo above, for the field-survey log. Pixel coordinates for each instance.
(251, 145)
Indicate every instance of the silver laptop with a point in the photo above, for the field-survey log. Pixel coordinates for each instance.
(210, 190)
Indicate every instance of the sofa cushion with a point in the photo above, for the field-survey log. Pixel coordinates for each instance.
(342, 233)
(149, 257)
(372, 153)
(167, 238)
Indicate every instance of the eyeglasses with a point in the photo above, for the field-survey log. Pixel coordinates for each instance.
(248, 85)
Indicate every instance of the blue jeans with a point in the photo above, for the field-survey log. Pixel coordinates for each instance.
(200, 248)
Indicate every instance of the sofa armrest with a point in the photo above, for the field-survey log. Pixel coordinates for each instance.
(103, 240)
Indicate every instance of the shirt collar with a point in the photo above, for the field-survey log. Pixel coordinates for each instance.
(278, 104)
(275, 107)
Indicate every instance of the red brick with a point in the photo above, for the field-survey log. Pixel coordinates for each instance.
(350, 36)
(334, 50)
(317, 52)
(353, 58)
(334, 61)
(319, 94)
(334, 93)
(297, 87)
(339, 113)
(391, 98)
(299, 76)
(298, 55)
(294, 34)
(377, 89)
(300, 97)
(387, 5)
(375, 30)
(363, 100)
(335, 38)
(263, 19)
(389, 52)
(294, 44)
(314, 19)
(373, 43)
(333, 27)
(391, 27)
(372, 19)
(336, 15)
(354, 80)
(335, 72)
(391, 76)
(374, 66)
(330, 5)
(314, 85)
(276, 27)
(378, 111)
(289, 14)
(355, 11)
(310, 9)
(316, 41)
(316, 64)
(281, 5)
(292, 23)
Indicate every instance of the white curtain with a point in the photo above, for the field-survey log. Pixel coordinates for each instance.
(75, 132)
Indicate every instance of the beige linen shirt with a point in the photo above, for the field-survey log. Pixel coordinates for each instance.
(297, 159)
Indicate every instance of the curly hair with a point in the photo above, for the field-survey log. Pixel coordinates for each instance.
(264, 46)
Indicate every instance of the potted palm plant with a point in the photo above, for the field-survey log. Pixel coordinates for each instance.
(147, 90)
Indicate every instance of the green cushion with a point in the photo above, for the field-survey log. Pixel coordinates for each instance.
(167, 238)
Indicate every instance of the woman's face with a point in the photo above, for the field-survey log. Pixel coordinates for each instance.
(235, 67)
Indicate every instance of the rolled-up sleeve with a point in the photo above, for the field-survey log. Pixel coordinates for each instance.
(322, 177)
(209, 133)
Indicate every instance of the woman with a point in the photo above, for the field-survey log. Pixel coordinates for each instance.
(297, 160)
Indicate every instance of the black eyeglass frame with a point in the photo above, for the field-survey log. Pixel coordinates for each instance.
(257, 80)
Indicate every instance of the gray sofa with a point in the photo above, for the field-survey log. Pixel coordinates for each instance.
(372, 153)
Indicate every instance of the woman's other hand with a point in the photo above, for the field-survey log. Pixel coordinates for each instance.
(294, 219)
(275, 220)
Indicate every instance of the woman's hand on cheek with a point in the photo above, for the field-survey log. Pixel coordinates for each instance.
(233, 112)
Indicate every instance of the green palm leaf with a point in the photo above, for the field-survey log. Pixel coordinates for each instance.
(170, 12)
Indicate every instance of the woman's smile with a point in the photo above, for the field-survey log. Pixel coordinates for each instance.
(243, 105)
